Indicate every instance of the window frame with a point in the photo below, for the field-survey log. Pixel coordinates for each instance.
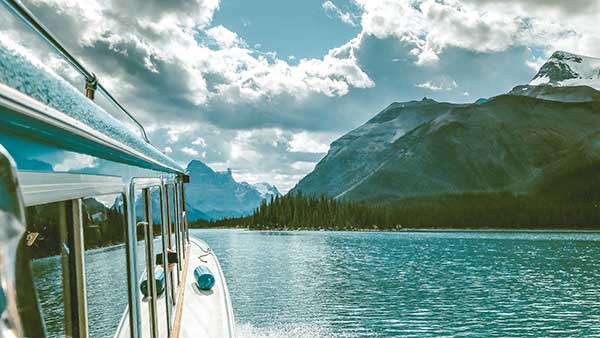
(48, 187)
(39, 188)
(145, 184)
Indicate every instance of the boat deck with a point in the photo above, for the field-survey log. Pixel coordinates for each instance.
(203, 313)
(197, 313)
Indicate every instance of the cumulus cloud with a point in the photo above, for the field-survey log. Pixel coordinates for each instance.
(224, 37)
(203, 91)
(303, 165)
(199, 142)
(257, 155)
(346, 17)
(482, 26)
(172, 53)
(74, 161)
(304, 142)
(190, 151)
(437, 86)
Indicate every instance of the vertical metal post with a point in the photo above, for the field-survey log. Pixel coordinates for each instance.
(71, 329)
(184, 216)
(149, 239)
(78, 254)
(72, 259)
(134, 298)
(177, 234)
(170, 232)
(165, 252)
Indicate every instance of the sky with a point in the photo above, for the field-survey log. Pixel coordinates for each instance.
(264, 86)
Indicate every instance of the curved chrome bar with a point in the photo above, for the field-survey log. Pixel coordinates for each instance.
(19, 10)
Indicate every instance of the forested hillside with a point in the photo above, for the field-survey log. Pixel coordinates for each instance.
(465, 210)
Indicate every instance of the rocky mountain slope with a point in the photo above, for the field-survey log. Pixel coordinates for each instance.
(514, 142)
(215, 195)
(564, 69)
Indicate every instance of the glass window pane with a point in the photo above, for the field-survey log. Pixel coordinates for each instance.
(46, 249)
(162, 306)
(178, 221)
(181, 225)
(172, 229)
(144, 308)
(104, 229)
(156, 240)
(171, 197)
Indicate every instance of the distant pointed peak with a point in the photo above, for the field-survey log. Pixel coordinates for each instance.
(568, 69)
(568, 56)
(561, 54)
(198, 166)
(266, 189)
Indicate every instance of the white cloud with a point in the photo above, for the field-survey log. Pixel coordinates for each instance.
(161, 53)
(190, 151)
(483, 25)
(199, 142)
(536, 63)
(438, 86)
(346, 17)
(303, 166)
(304, 142)
(172, 63)
(224, 37)
(174, 133)
(240, 147)
(75, 161)
(168, 150)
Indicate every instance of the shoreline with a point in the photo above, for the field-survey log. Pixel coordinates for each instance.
(522, 230)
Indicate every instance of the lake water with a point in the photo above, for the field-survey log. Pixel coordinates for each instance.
(352, 284)
(368, 284)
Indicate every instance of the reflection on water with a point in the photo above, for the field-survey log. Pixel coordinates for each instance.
(106, 278)
(48, 283)
(328, 284)
(105, 263)
(106, 291)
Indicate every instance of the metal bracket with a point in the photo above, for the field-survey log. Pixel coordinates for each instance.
(91, 85)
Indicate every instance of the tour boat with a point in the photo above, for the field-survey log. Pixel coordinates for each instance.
(94, 239)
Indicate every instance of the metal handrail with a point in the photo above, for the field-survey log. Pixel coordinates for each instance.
(19, 10)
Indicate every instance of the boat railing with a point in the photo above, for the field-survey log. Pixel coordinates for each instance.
(92, 83)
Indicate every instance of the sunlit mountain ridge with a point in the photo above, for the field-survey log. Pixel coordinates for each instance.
(515, 142)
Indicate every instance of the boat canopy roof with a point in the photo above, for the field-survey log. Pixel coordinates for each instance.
(35, 79)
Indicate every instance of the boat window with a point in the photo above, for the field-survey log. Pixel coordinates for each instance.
(144, 308)
(45, 272)
(173, 227)
(184, 225)
(180, 235)
(104, 228)
(170, 203)
(151, 253)
(163, 292)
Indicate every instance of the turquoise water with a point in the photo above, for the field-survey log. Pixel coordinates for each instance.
(341, 284)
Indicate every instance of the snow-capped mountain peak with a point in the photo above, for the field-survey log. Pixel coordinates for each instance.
(565, 69)
(216, 194)
(266, 190)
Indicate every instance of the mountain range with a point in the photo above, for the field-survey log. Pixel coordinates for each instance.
(538, 137)
(214, 195)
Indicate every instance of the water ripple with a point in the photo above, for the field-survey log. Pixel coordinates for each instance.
(438, 284)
